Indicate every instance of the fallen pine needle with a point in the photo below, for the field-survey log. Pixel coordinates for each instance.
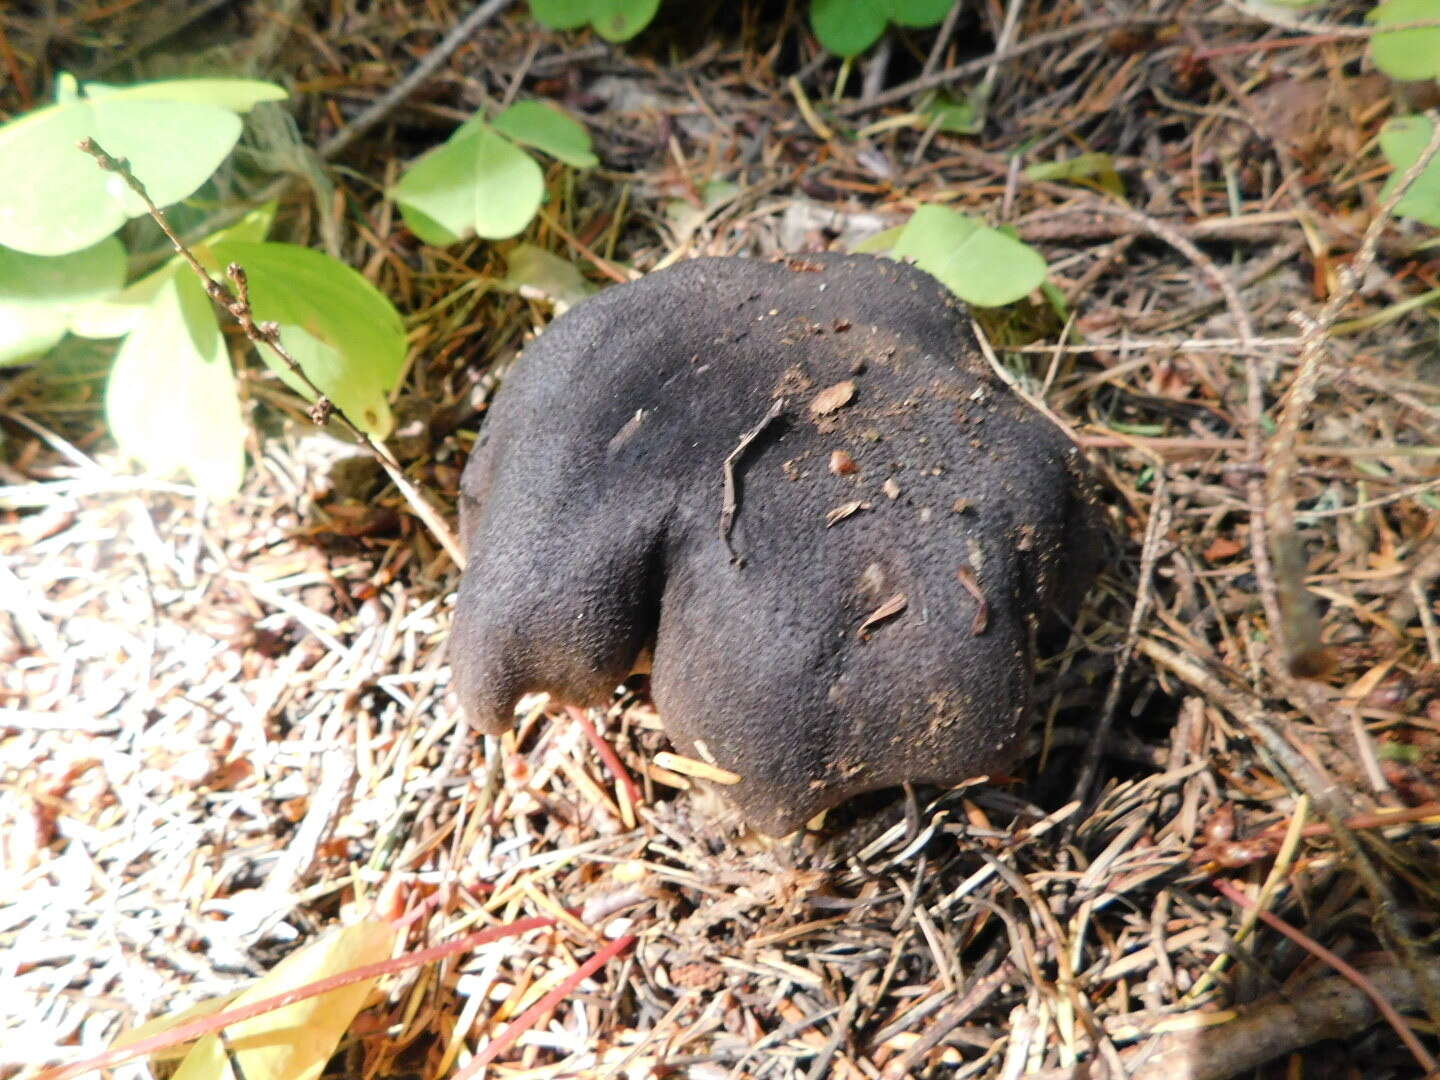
(528, 1019)
(612, 762)
(701, 770)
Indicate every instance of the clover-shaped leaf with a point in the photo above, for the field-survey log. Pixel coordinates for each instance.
(614, 20)
(548, 130)
(981, 265)
(477, 183)
(1402, 140)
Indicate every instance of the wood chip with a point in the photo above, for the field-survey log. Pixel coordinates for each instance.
(833, 397)
(888, 610)
(701, 770)
(891, 489)
(842, 464)
(843, 511)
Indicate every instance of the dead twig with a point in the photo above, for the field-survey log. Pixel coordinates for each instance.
(731, 504)
(1310, 945)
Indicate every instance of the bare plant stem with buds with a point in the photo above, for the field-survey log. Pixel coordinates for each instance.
(236, 303)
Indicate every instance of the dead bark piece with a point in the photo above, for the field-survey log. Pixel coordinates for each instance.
(832, 398)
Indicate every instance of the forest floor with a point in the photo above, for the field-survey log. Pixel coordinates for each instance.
(224, 728)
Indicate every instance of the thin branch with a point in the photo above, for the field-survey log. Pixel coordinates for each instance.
(236, 303)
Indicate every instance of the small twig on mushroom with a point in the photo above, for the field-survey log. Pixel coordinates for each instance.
(732, 499)
(236, 303)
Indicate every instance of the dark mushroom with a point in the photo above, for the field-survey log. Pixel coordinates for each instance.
(798, 485)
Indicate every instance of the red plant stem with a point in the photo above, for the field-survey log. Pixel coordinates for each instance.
(211, 1024)
(528, 1019)
(607, 753)
(1310, 945)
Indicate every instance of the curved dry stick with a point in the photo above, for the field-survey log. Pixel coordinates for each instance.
(1329, 1008)
(1366, 986)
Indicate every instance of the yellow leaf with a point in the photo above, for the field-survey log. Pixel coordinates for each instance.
(295, 1041)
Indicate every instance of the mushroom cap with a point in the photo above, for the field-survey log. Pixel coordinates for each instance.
(830, 637)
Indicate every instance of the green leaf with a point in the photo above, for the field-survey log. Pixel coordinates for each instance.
(535, 272)
(919, 14)
(561, 14)
(1402, 140)
(956, 117)
(979, 264)
(1096, 167)
(170, 401)
(478, 182)
(117, 315)
(345, 334)
(1407, 54)
(237, 95)
(620, 20)
(507, 186)
(251, 228)
(67, 89)
(38, 294)
(548, 130)
(61, 201)
(879, 244)
(848, 27)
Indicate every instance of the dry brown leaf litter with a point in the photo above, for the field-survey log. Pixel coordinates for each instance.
(220, 723)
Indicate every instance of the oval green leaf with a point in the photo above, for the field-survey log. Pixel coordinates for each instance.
(848, 27)
(1407, 54)
(170, 401)
(38, 295)
(62, 201)
(534, 272)
(620, 20)
(237, 95)
(561, 14)
(919, 14)
(548, 130)
(346, 336)
(1402, 140)
(437, 193)
(115, 316)
(981, 265)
